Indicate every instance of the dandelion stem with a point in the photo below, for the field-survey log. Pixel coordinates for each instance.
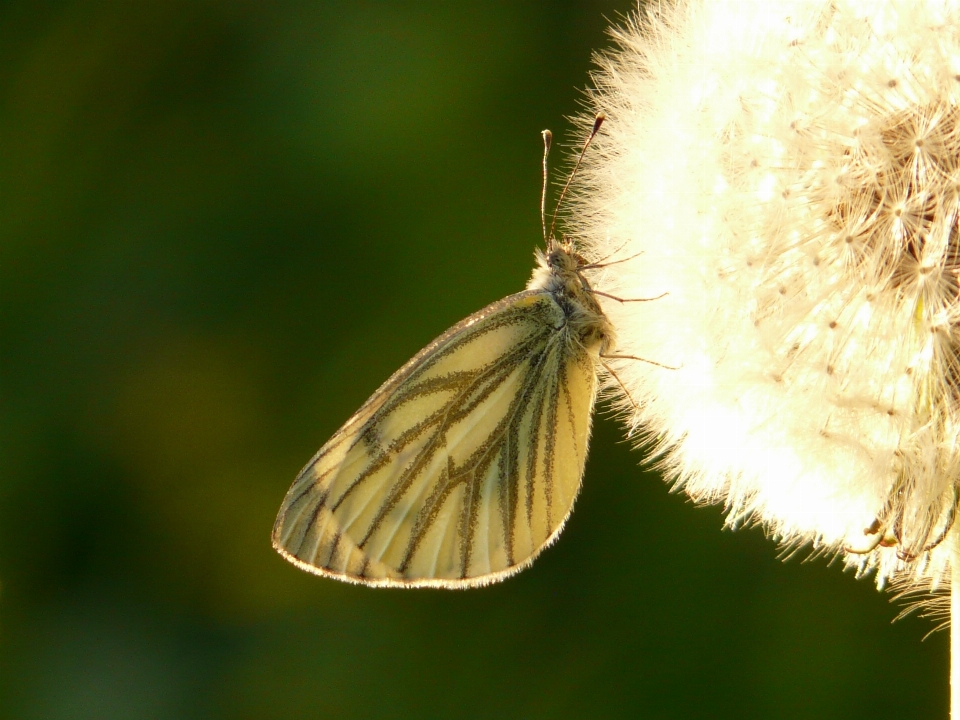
(955, 630)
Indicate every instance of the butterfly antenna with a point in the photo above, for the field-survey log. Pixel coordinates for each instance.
(597, 122)
(547, 141)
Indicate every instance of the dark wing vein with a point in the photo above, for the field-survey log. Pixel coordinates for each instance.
(488, 380)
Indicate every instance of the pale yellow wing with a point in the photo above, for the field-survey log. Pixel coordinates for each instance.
(462, 467)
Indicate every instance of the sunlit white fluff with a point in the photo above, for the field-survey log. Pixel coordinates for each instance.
(789, 172)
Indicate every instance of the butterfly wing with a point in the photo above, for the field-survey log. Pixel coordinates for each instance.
(462, 467)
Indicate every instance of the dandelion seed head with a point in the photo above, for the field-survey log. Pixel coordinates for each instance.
(790, 173)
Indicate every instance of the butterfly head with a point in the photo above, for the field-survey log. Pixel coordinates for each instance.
(558, 270)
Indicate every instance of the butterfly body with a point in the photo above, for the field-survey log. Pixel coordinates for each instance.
(465, 464)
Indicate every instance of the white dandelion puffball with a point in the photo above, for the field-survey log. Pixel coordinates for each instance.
(787, 174)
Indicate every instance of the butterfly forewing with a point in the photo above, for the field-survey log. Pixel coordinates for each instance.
(462, 466)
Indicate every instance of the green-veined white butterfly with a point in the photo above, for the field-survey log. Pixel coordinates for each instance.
(465, 464)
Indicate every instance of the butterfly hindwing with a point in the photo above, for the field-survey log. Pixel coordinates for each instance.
(462, 466)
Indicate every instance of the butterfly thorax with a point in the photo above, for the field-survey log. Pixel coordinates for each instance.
(558, 272)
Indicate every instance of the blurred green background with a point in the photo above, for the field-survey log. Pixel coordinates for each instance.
(222, 225)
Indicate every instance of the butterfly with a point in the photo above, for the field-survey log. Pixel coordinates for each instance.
(464, 465)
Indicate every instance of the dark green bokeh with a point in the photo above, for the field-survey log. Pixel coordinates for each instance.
(222, 225)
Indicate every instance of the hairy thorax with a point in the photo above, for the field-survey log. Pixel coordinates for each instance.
(559, 272)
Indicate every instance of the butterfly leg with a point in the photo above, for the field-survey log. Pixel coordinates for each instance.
(636, 357)
(626, 300)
